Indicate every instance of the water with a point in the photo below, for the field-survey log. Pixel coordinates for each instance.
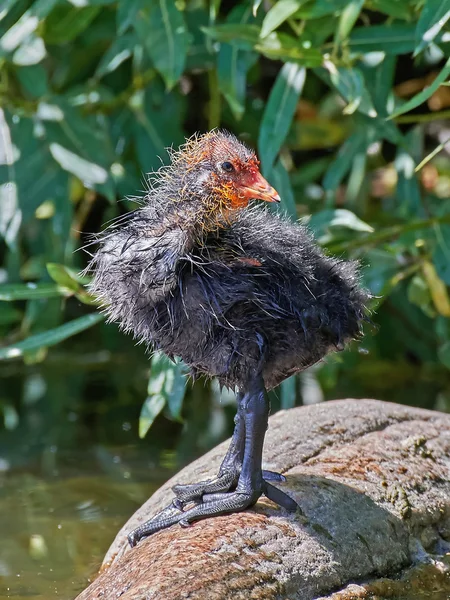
(56, 529)
(72, 467)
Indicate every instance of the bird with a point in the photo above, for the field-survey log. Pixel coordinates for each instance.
(239, 292)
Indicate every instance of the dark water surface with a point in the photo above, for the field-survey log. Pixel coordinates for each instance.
(72, 466)
(56, 529)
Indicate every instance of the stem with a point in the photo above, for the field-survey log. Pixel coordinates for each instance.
(432, 154)
(214, 109)
(387, 234)
(443, 114)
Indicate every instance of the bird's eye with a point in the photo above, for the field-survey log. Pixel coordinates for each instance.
(227, 166)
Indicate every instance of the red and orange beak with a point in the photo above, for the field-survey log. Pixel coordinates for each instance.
(259, 189)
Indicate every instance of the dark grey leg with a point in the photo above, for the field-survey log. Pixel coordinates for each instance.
(250, 486)
(230, 468)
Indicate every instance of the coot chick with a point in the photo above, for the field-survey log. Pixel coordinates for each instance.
(237, 292)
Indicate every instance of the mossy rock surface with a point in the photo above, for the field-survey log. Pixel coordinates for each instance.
(373, 481)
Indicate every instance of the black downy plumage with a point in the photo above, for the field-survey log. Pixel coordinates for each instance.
(235, 291)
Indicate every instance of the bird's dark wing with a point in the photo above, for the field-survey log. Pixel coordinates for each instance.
(135, 267)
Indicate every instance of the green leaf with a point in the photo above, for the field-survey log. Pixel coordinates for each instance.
(280, 46)
(151, 408)
(279, 112)
(162, 30)
(278, 14)
(441, 254)
(401, 9)
(444, 354)
(321, 8)
(433, 17)
(9, 314)
(67, 22)
(61, 275)
(422, 96)
(392, 39)
(347, 20)
(28, 291)
(322, 222)
(233, 63)
(34, 80)
(157, 125)
(247, 35)
(30, 52)
(26, 25)
(166, 387)
(419, 294)
(51, 337)
(408, 187)
(280, 180)
(127, 12)
(120, 50)
(350, 85)
(276, 46)
(341, 165)
(88, 172)
(379, 80)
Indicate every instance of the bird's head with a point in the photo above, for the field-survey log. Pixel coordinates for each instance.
(221, 173)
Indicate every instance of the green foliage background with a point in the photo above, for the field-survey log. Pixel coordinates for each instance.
(348, 106)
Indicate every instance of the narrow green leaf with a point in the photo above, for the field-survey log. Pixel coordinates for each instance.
(276, 46)
(280, 180)
(256, 5)
(26, 25)
(433, 16)
(166, 387)
(51, 337)
(323, 221)
(62, 276)
(321, 8)
(87, 171)
(30, 291)
(30, 52)
(163, 32)
(127, 12)
(278, 14)
(392, 39)
(422, 96)
(9, 314)
(233, 63)
(347, 20)
(120, 50)
(444, 354)
(235, 33)
(151, 408)
(441, 254)
(66, 23)
(379, 80)
(341, 165)
(401, 9)
(350, 85)
(279, 112)
(280, 46)
(408, 187)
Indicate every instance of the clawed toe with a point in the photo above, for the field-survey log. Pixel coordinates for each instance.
(194, 492)
(273, 476)
(219, 503)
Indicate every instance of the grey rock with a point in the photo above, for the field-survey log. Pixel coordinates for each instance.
(373, 482)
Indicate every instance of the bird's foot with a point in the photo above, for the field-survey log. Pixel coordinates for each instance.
(226, 481)
(217, 504)
(211, 505)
